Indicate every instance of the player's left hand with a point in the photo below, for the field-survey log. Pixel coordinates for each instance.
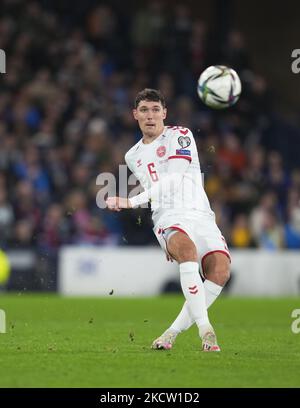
(117, 203)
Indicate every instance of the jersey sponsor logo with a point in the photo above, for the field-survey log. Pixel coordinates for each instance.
(184, 141)
(161, 151)
(183, 152)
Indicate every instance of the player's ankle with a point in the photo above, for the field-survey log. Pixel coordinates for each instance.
(172, 331)
(204, 328)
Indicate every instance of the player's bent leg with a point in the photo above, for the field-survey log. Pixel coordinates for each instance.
(216, 268)
(184, 251)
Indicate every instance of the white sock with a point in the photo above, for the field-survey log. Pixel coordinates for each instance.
(194, 293)
(184, 320)
(212, 291)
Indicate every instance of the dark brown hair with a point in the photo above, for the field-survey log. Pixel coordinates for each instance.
(151, 95)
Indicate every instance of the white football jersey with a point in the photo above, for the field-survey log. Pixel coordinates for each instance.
(150, 163)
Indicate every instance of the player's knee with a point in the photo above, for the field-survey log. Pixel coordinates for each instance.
(220, 274)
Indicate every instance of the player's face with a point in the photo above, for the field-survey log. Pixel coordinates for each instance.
(150, 116)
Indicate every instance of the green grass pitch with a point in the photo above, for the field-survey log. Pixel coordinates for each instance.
(105, 342)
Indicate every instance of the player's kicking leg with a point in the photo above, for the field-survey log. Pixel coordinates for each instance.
(216, 270)
(183, 250)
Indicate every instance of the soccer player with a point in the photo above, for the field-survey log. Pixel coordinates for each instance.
(166, 163)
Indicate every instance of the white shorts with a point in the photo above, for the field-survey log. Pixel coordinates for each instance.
(200, 227)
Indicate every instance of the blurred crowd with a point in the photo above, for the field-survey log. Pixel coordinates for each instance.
(65, 117)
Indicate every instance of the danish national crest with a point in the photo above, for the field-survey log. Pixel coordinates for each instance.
(161, 151)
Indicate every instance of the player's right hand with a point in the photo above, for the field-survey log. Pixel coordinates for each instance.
(113, 204)
(117, 203)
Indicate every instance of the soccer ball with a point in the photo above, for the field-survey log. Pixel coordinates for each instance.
(219, 87)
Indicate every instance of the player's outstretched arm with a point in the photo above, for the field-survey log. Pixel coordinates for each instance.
(117, 203)
(166, 186)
